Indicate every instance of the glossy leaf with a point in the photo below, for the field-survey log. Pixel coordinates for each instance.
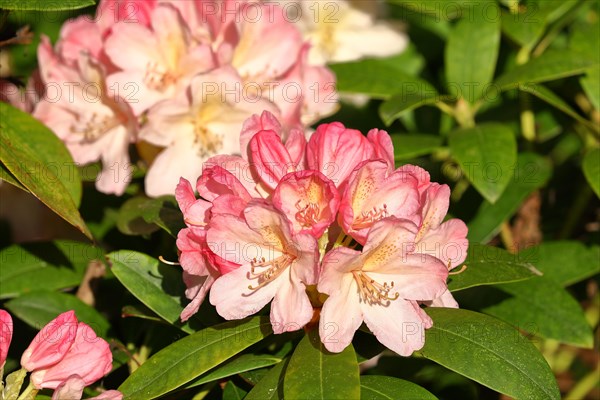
(378, 79)
(591, 169)
(6, 176)
(190, 357)
(40, 307)
(564, 262)
(271, 385)
(472, 52)
(532, 172)
(490, 352)
(488, 265)
(158, 286)
(315, 373)
(373, 387)
(397, 105)
(542, 307)
(40, 162)
(44, 5)
(231, 391)
(549, 66)
(487, 154)
(58, 265)
(243, 363)
(141, 215)
(411, 146)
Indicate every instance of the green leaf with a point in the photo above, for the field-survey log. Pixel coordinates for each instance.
(549, 97)
(378, 79)
(158, 286)
(190, 357)
(549, 66)
(39, 308)
(392, 109)
(243, 363)
(233, 392)
(526, 26)
(315, 373)
(488, 265)
(591, 169)
(40, 162)
(564, 262)
(591, 86)
(411, 146)
(271, 385)
(45, 5)
(373, 387)
(490, 352)
(472, 52)
(544, 308)
(532, 172)
(487, 154)
(58, 265)
(142, 215)
(6, 176)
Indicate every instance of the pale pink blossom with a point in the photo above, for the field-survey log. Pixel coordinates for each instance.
(88, 356)
(72, 389)
(110, 12)
(274, 265)
(94, 124)
(158, 61)
(309, 200)
(381, 286)
(199, 123)
(374, 193)
(6, 332)
(52, 343)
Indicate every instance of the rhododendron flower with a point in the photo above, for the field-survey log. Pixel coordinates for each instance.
(380, 286)
(6, 331)
(93, 124)
(88, 356)
(72, 389)
(52, 343)
(346, 30)
(274, 265)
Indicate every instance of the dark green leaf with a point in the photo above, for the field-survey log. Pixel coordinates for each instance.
(411, 146)
(488, 265)
(315, 373)
(243, 363)
(45, 5)
(487, 154)
(472, 52)
(373, 387)
(542, 307)
(233, 392)
(6, 176)
(489, 352)
(40, 162)
(271, 385)
(591, 86)
(532, 172)
(591, 169)
(141, 216)
(58, 265)
(190, 357)
(39, 308)
(526, 26)
(379, 79)
(549, 66)
(396, 106)
(158, 286)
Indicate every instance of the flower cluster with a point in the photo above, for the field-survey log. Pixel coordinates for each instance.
(66, 355)
(178, 78)
(294, 220)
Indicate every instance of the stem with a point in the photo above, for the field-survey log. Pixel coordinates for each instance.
(507, 237)
(445, 108)
(556, 29)
(576, 211)
(584, 386)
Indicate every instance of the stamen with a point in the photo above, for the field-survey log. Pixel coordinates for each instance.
(308, 215)
(373, 292)
(162, 260)
(208, 143)
(93, 126)
(462, 269)
(156, 78)
(274, 269)
(367, 218)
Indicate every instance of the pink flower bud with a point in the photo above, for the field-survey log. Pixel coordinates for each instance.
(89, 357)
(52, 343)
(6, 331)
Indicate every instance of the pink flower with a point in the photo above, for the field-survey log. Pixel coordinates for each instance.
(72, 389)
(274, 265)
(6, 331)
(309, 200)
(52, 343)
(374, 193)
(381, 286)
(110, 12)
(88, 356)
